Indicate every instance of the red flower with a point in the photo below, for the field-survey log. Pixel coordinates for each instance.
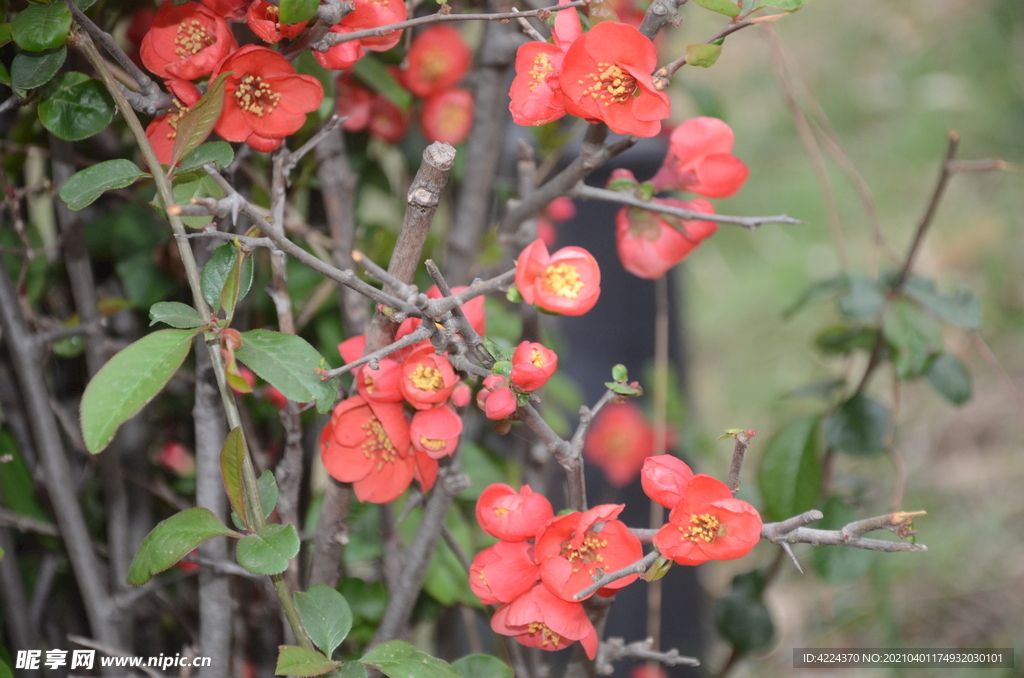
(501, 404)
(368, 445)
(162, 131)
(513, 516)
(700, 160)
(474, 310)
(461, 394)
(265, 100)
(708, 524)
(435, 432)
(619, 441)
(566, 282)
(664, 479)
(574, 549)
(388, 122)
(343, 55)
(539, 619)
(354, 101)
(447, 116)
(229, 9)
(437, 58)
(536, 94)
(186, 41)
(650, 243)
(275, 397)
(351, 349)
(532, 365)
(426, 379)
(503, 572)
(560, 209)
(606, 77)
(380, 385)
(264, 20)
(426, 470)
(374, 14)
(177, 459)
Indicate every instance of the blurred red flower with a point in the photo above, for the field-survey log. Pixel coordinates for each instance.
(437, 60)
(606, 77)
(447, 116)
(708, 524)
(618, 442)
(699, 160)
(650, 243)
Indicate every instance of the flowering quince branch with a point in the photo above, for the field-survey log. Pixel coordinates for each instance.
(329, 13)
(739, 451)
(333, 39)
(664, 74)
(462, 324)
(530, 31)
(639, 567)
(298, 154)
(616, 649)
(584, 191)
(791, 531)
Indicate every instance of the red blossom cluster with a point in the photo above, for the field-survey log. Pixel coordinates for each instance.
(543, 562)
(603, 75)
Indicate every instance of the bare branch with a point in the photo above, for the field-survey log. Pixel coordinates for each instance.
(581, 190)
(616, 649)
(639, 567)
(664, 74)
(791, 532)
(415, 337)
(739, 451)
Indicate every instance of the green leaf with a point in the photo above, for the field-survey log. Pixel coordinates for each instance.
(819, 291)
(702, 55)
(790, 476)
(76, 107)
(838, 564)
(399, 659)
(620, 373)
(232, 458)
(16, 484)
(817, 389)
(500, 352)
(172, 539)
(188, 185)
(351, 670)
(784, 5)
(128, 381)
(725, 7)
(5, 34)
(41, 27)
(513, 295)
(864, 300)
(5, 670)
(300, 661)
(34, 69)
(913, 337)
(326, 615)
(624, 389)
(298, 11)
(217, 152)
(959, 307)
(950, 378)
(230, 294)
(844, 339)
(482, 666)
(858, 426)
(218, 269)
(85, 186)
(195, 125)
(5, 77)
(741, 615)
(376, 76)
(175, 314)
(269, 550)
(267, 485)
(289, 364)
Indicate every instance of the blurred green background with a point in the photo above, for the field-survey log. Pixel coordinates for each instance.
(892, 78)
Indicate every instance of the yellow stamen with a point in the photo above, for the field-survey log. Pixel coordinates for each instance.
(611, 85)
(427, 378)
(192, 38)
(564, 280)
(255, 96)
(704, 527)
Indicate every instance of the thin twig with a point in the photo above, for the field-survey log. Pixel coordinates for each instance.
(739, 451)
(639, 567)
(420, 334)
(663, 75)
(616, 649)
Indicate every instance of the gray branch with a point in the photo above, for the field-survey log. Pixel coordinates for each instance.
(616, 649)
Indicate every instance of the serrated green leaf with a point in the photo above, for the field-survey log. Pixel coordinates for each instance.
(195, 125)
(864, 300)
(300, 661)
(620, 373)
(838, 564)
(172, 539)
(289, 364)
(5, 33)
(399, 659)
(41, 27)
(500, 352)
(230, 294)
(218, 269)
(298, 11)
(858, 426)
(819, 291)
(219, 153)
(950, 378)
(5, 77)
(482, 666)
(175, 314)
(16, 484)
(376, 76)
(188, 185)
(913, 337)
(232, 458)
(784, 5)
(128, 381)
(844, 339)
(267, 485)
(326, 615)
(703, 55)
(34, 69)
(351, 670)
(790, 475)
(268, 550)
(85, 186)
(726, 7)
(75, 107)
(959, 307)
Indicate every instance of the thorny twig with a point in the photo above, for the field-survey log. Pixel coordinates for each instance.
(616, 649)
